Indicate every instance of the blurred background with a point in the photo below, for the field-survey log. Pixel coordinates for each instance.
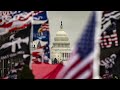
(73, 24)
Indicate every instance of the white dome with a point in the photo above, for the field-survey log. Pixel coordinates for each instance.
(61, 33)
(61, 36)
(61, 39)
(61, 46)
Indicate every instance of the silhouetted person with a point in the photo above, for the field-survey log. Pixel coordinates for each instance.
(55, 61)
(25, 73)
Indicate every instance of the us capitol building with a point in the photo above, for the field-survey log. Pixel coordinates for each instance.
(60, 50)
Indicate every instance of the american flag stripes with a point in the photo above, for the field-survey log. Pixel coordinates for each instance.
(80, 64)
(12, 20)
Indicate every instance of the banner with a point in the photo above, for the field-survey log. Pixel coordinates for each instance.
(14, 49)
(12, 20)
(41, 37)
(46, 71)
(15, 32)
(110, 46)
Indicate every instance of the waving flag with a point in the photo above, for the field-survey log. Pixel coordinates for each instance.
(41, 15)
(14, 50)
(110, 45)
(80, 64)
(15, 28)
(41, 34)
(106, 16)
(12, 20)
(46, 71)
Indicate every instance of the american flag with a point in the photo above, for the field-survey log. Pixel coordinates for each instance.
(106, 16)
(80, 63)
(17, 19)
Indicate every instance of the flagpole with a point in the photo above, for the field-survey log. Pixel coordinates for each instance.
(3, 70)
(31, 43)
(96, 62)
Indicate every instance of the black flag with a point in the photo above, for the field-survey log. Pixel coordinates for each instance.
(110, 46)
(14, 52)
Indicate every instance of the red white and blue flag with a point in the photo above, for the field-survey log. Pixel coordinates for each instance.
(12, 20)
(80, 64)
(41, 35)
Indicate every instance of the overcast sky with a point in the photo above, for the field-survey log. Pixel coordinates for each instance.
(73, 23)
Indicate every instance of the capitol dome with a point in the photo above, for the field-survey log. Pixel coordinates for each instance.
(61, 46)
(61, 35)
